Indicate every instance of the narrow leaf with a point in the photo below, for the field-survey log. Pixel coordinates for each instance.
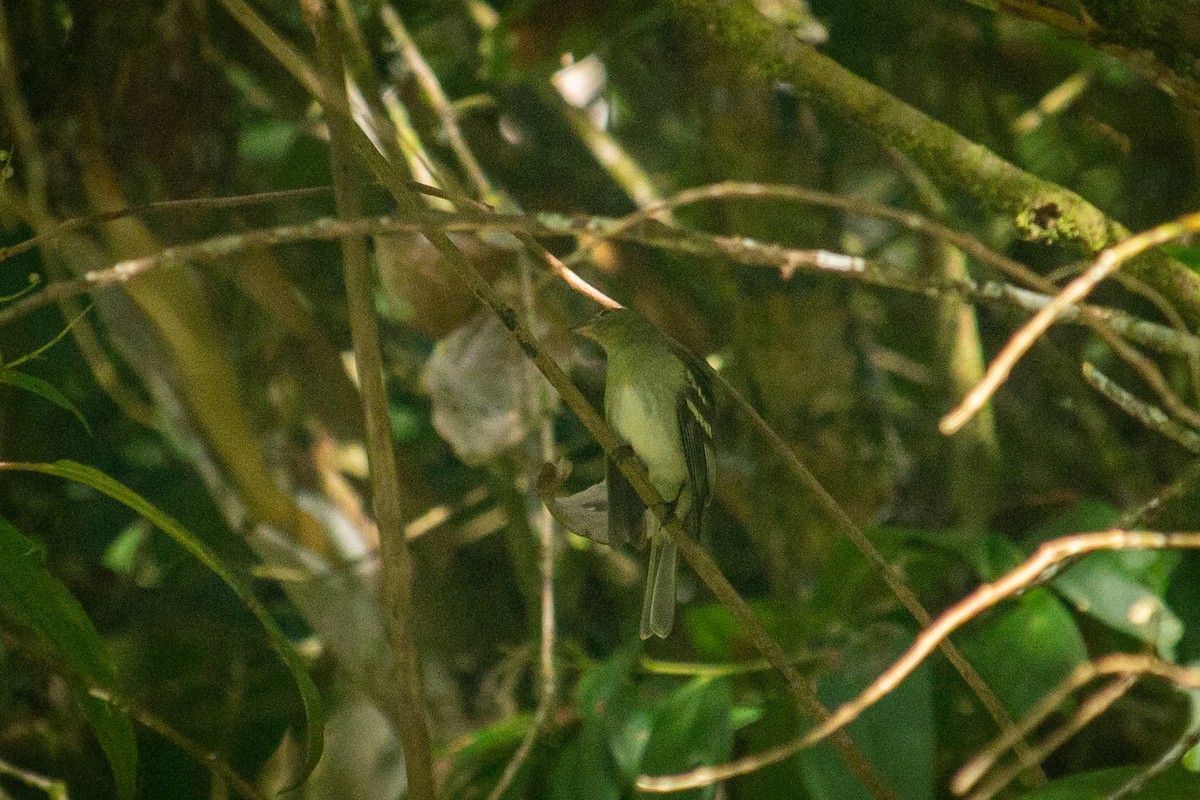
(311, 698)
(42, 389)
(36, 599)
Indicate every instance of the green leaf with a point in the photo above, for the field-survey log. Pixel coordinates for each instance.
(42, 389)
(896, 734)
(1102, 586)
(1026, 648)
(1188, 255)
(1122, 589)
(585, 768)
(39, 601)
(607, 699)
(692, 728)
(311, 698)
(1171, 785)
(487, 752)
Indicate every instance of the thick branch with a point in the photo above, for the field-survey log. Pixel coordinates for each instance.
(1040, 209)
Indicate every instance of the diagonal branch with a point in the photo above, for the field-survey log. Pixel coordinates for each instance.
(1041, 210)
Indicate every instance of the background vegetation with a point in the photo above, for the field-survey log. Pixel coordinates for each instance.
(195, 598)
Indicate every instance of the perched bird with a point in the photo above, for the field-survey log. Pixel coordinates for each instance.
(659, 400)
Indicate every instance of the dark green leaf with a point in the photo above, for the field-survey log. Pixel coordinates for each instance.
(1103, 587)
(1024, 649)
(1174, 784)
(311, 698)
(904, 761)
(692, 728)
(39, 601)
(607, 698)
(42, 389)
(584, 768)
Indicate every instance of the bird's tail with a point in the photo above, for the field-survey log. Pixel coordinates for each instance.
(658, 606)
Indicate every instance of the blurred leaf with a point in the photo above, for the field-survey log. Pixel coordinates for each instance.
(692, 728)
(97, 480)
(1174, 784)
(476, 380)
(904, 761)
(489, 748)
(1102, 587)
(1024, 649)
(121, 554)
(1122, 589)
(607, 699)
(1084, 516)
(990, 554)
(744, 716)
(1187, 254)
(584, 768)
(42, 389)
(38, 600)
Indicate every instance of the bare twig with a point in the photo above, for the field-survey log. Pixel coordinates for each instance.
(434, 94)
(1054, 101)
(21, 124)
(1172, 316)
(189, 204)
(1088, 710)
(395, 561)
(1179, 487)
(1109, 261)
(55, 790)
(1150, 416)
(1048, 558)
(1164, 762)
(538, 407)
(1113, 664)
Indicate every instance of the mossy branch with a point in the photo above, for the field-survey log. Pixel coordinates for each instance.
(1041, 210)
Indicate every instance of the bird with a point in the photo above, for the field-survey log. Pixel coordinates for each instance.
(659, 401)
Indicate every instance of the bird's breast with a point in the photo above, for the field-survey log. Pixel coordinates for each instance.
(648, 421)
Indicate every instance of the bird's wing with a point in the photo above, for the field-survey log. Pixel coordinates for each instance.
(626, 511)
(695, 411)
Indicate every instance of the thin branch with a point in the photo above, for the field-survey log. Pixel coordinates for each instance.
(1167, 760)
(739, 249)
(1107, 263)
(436, 97)
(1048, 558)
(189, 204)
(21, 123)
(609, 153)
(55, 790)
(1185, 483)
(288, 56)
(1088, 710)
(1054, 102)
(1112, 664)
(1170, 314)
(1042, 210)
(1151, 416)
(396, 565)
(539, 409)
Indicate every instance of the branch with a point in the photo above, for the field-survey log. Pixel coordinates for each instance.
(1041, 210)
(399, 613)
(1106, 264)
(1048, 559)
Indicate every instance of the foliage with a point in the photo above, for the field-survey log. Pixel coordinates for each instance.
(219, 403)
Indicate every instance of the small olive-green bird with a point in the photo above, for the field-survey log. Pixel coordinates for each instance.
(659, 400)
